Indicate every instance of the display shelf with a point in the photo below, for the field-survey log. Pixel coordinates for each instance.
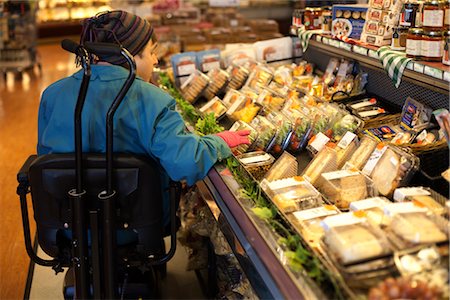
(261, 263)
(435, 76)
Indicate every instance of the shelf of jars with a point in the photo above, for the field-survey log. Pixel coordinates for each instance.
(432, 75)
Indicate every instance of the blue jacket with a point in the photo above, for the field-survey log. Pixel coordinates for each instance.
(145, 123)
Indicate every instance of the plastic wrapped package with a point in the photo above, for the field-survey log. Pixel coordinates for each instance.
(256, 163)
(270, 100)
(352, 239)
(303, 68)
(231, 97)
(259, 77)
(266, 132)
(292, 194)
(344, 124)
(302, 127)
(286, 166)
(344, 186)
(345, 148)
(241, 125)
(373, 209)
(394, 168)
(361, 155)
(308, 222)
(283, 135)
(429, 202)
(325, 161)
(218, 81)
(214, 106)
(303, 83)
(238, 74)
(193, 87)
(416, 228)
(283, 75)
(243, 109)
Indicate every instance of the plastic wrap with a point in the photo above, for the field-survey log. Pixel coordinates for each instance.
(193, 87)
(325, 161)
(259, 77)
(266, 131)
(214, 106)
(373, 209)
(239, 75)
(241, 125)
(218, 80)
(286, 166)
(361, 155)
(283, 135)
(256, 163)
(243, 109)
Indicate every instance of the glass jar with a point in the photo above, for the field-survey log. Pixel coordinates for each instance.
(408, 15)
(447, 13)
(414, 43)
(446, 52)
(399, 38)
(326, 20)
(433, 14)
(308, 18)
(432, 45)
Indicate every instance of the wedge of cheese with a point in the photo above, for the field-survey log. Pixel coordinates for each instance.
(417, 228)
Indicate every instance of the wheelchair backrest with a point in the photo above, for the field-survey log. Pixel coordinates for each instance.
(136, 180)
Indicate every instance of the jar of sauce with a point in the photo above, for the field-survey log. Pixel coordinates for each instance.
(446, 53)
(433, 14)
(408, 15)
(432, 45)
(414, 43)
(447, 13)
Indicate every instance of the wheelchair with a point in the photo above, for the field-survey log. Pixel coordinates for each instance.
(99, 215)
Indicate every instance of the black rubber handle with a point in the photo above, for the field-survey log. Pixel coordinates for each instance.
(69, 45)
(101, 49)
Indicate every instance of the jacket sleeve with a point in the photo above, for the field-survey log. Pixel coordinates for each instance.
(184, 155)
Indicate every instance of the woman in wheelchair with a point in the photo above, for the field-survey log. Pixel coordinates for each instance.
(145, 123)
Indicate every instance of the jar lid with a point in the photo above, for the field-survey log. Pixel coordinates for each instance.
(434, 2)
(412, 5)
(415, 30)
(447, 33)
(436, 33)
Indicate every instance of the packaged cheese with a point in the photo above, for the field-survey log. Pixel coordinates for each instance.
(286, 166)
(325, 161)
(344, 186)
(361, 155)
(373, 209)
(292, 194)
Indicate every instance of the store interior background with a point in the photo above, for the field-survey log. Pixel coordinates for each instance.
(20, 93)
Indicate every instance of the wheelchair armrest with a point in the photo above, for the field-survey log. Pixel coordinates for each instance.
(22, 176)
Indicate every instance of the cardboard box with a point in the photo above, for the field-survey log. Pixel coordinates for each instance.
(348, 20)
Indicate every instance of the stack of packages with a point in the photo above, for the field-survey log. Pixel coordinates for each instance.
(382, 17)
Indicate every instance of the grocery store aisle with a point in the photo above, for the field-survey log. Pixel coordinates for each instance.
(19, 102)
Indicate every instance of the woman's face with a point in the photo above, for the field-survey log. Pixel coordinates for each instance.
(146, 61)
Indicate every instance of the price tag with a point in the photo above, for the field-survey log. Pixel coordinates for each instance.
(368, 102)
(373, 160)
(340, 220)
(392, 209)
(345, 46)
(338, 174)
(320, 140)
(314, 213)
(346, 140)
(410, 66)
(447, 76)
(373, 54)
(401, 193)
(318, 38)
(334, 43)
(369, 203)
(211, 65)
(325, 41)
(418, 68)
(223, 3)
(433, 72)
(360, 50)
(255, 159)
(186, 69)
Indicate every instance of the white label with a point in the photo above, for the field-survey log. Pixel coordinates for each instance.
(447, 76)
(418, 67)
(318, 38)
(255, 159)
(314, 213)
(346, 140)
(433, 72)
(234, 23)
(188, 80)
(209, 104)
(334, 43)
(345, 46)
(364, 103)
(284, 183)
(319, 141)
(235, 105)
(370, 113)
(392, 209)
(373, 160)
(338, 174)
(432, 48)
(211, 65)
(325, 41)
(369, 203)
(340, 220)
(447, 17)
(401, 193)
(413, 47)
(186, 69)
(433, 18)
(373, 54)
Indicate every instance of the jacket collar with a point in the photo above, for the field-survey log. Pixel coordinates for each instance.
(105, 73)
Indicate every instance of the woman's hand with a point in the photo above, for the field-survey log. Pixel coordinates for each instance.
(235, 138)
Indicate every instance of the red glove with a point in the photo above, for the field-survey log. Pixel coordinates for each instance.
(235, 138)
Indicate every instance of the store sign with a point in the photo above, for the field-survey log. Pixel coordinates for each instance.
(223, 3)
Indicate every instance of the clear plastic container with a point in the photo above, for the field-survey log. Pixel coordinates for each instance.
(283, 135)
(270, 100)
(256, 163)
(194, 86)
(417, 228)
(344, 124)
(325, 161)
(345, 148)
(395, 168)
(308, 222)
(259, 77)
(239, 75)
(231, 97)
(283, 75)
(243, 109)
(218, 81)
(361, 155)
(373, 209)
(344, 186)
(286, 166)
(429, 202)
(214, 106)
(292, 194)
(266, 132)
(241, 125)
(302, 127)
(356, 242)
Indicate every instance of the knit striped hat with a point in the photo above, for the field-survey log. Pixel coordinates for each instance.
(118, 27)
